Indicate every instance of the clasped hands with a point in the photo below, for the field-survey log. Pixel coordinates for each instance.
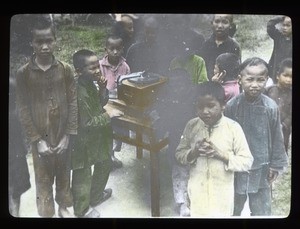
(44, 148)
(205, 148)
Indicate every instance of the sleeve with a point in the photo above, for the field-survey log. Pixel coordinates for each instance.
(72, 124)
(242, 158)
(228, 112)
(202, 72)
(89, 118)
(104, 97)
(23, 107)
(272, 31)
(184, 148)
(278, 156)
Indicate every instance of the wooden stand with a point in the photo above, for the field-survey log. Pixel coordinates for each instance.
(141, 126)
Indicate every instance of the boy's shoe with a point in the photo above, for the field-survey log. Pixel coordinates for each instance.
(116, 163)
(64, 213)
(106, 195)
(92, 214)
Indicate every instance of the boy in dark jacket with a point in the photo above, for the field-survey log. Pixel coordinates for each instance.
(281, 93)
(94, 141)
(283, 40)
(259, 117)
(46, 100)
(219, 42)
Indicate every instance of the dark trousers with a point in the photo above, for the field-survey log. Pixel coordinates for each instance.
(46, 169)
(259, 203)
(88, 186)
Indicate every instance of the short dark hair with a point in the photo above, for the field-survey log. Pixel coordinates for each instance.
(285, 63)
(228, 16)
(41, 22)
(80, 56)
(254, 61)
(230, 63)
(214, 89)
(113, 37)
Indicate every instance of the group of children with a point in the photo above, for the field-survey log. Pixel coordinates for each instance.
(233, 150)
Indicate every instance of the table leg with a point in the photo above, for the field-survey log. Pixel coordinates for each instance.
(139, 138)
(155, 189)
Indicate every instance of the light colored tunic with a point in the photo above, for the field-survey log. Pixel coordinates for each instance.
(211, 182)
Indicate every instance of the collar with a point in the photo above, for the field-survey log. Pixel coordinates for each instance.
(256, 101)
(34, 66)
(217, 124)
(106, 63)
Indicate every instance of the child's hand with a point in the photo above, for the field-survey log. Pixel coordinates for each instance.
(218, 77)
(43, 148)
(273, 174)
(102, 82)
(201, 148)
(62, 145)
(114, 113)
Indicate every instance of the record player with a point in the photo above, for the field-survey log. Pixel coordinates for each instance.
(139, 89)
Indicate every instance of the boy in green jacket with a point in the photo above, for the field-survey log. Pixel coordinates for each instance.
(94, 141)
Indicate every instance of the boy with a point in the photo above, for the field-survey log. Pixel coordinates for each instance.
(219, 42)
(193, 64)
(281, 93)
(94, 141)
(226, 72)
(259, 117)
(113, 65)
(46, 100)
(283, 40)
(214, 147)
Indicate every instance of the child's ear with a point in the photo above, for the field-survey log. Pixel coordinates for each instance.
(78, 71)
(239, 79)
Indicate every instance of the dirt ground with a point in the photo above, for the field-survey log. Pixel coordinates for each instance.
(131, 189)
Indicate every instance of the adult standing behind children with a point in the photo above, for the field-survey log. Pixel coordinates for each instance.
(146, 55)
(93, 144)
(260, 119)
(279, 29)
(214, 147)
(112, 65)
(47, 104)
(219, 42)
(281, 93)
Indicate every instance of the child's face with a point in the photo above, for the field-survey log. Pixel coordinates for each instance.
(128, 25)
(91, 70)
(43, 42)
(221, 25)
(285, 78)
(286, 27)
(253, 80)
(114, 49)
(209, 109)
